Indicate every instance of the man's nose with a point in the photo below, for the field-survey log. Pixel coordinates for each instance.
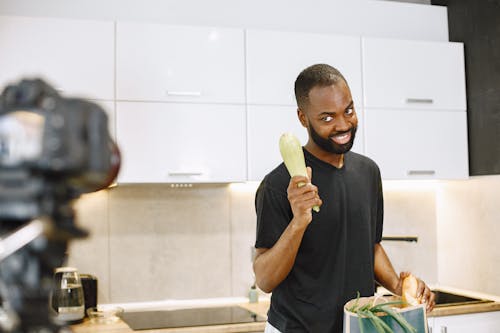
(342, 124)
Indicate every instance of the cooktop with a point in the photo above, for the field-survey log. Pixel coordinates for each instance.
(144, 320)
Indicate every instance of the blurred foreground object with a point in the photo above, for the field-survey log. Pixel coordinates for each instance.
(52, 150)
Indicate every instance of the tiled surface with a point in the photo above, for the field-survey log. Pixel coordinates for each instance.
(243, 225)
(412, 213)
(153, 242)
(169, 243)
(91, 255)
(469, 234)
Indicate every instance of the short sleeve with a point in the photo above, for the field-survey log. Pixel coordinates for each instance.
(273, 214)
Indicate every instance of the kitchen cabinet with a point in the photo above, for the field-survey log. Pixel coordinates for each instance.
(157, 62)
(400, 74)
(485, 322)
(266, 123)
(181, 142)
(417, 144)
(476, 25)
(265, 126)
(74, 56)
(274, 60)
(415, 108)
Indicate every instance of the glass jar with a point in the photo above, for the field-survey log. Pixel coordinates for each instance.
(67, 303)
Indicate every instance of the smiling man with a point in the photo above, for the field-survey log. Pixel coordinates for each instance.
(313, 263)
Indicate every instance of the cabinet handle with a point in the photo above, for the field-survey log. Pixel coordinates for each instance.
(184, 93)
(419, 100)
(421, 172)
(444, 329)
(183, 174)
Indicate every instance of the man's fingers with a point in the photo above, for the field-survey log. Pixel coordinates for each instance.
(309, 173)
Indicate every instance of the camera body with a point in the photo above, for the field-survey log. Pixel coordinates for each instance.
(50, 146)
(52, 150)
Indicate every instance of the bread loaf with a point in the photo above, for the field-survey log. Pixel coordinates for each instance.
(409, 293)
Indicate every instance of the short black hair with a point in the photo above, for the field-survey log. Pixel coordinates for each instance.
(321, 75)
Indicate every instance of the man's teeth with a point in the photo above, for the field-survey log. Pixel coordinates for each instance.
(342, 138)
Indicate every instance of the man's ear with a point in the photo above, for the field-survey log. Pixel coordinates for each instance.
(302, 117)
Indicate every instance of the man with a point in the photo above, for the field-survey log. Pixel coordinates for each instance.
(313, 263)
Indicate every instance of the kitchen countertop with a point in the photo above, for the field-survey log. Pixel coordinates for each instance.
(261, 308)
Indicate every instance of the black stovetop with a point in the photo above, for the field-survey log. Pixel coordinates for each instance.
(189, 317)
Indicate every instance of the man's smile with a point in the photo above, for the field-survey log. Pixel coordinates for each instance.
(341, 138)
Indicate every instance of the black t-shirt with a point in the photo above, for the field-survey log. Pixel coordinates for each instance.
(335, 257)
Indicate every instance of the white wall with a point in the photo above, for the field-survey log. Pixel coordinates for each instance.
(350, 17)
(468, 233)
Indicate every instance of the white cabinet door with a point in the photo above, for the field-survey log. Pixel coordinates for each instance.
(266, 123)
(417, 144)
(413, 74)
(74, 56)
(156, 62)
(265, 126)
(486, 322)
(181, 143)
(275, 59)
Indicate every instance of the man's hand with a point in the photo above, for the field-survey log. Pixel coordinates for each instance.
(302, 198)
(424, 294)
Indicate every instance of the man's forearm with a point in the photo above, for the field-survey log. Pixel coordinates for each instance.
(384, 271)
(271, 266)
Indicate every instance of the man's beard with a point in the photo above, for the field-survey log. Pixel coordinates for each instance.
(329, 145)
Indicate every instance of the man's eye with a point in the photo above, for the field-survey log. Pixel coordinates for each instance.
(349, 111)
(327, 118)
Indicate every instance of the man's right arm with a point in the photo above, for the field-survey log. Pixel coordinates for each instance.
(271, 266)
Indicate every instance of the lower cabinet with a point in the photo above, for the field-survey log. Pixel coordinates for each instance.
(417, 144)
(181, 143)
(485, 322)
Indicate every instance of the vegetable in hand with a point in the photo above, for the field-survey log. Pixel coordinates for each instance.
(293, 156)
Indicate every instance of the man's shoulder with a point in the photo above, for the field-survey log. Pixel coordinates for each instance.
(278, 179)
(362, 160)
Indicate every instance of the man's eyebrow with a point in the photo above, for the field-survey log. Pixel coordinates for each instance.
(350, 105)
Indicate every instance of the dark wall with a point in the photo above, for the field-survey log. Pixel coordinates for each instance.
(476, 23)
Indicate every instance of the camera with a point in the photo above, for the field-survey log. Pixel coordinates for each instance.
(52, 150)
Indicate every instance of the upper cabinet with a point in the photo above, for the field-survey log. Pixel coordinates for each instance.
(156, 62)
(417, 144)
(74, 56)
(275, 59)
(181, 142)
(413, 74)
(273, 62)
(266, 123)
(415, 108)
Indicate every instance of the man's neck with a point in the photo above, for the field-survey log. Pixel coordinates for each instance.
(337, 160)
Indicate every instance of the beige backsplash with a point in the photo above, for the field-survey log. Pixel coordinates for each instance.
(154, 242)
